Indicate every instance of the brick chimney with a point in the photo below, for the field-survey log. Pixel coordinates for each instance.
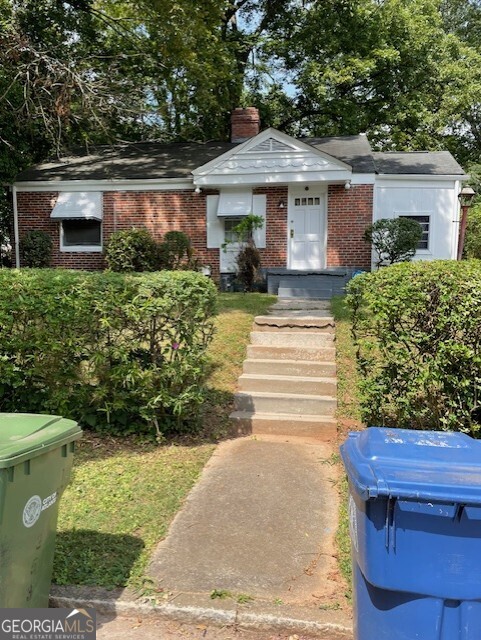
(245, 124)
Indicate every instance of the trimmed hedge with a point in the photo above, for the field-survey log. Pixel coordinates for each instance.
(117, 352)
(417, 329)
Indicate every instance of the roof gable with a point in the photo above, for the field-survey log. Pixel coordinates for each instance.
(271, 156)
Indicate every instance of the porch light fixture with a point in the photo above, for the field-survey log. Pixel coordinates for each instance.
(281, 204)
(465, 196)
(347, 185)
(198, 190)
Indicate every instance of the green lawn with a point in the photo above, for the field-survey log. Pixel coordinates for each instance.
(124, 493)
(348, 417)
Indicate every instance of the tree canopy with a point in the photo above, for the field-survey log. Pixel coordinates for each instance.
(79, 72)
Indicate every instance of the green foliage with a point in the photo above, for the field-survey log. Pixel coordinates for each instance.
(394, 240)
(244, 231)
(417, 328)
(248, 263)
(36, 249)
(472, 245)
(176, 252)
(173, 71)
(122, 353)
(6, 218)
(132, 250)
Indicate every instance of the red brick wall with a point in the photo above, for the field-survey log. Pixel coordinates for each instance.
(159, 212)
(275, 253)
(349, 212)
(34, 209)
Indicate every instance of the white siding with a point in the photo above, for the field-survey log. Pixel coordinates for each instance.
(436, 199)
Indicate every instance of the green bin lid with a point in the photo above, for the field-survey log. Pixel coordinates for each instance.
(24, 435)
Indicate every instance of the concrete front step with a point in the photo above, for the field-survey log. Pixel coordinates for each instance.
(298, 313)
(305, 305)
(324, 324)
(290, 368)
(306, 354)
(295, 404)
(285, 424)
(303, 292)
(294, 339)
(288, 384)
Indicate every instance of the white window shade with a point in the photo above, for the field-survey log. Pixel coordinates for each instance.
(235, 203)
(86, 205)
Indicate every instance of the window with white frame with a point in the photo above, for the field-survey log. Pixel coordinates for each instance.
(81, 233)
(424, 221)
(80, 217)
(230, 224)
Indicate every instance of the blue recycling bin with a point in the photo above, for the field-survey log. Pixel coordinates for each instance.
(415, 526)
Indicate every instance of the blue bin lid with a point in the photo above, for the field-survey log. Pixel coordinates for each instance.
(419, 465)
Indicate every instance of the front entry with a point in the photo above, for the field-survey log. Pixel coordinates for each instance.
(307, 229)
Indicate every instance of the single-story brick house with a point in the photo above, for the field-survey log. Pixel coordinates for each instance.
(317, 196)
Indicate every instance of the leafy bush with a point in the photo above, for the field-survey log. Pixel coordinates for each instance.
(472, 246)
(36, 249)
(248, 263)
(123, 353)
(176, 252)
(417, 328)
(132, 250)
(394, 240)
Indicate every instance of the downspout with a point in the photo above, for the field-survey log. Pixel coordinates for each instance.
(15, 228)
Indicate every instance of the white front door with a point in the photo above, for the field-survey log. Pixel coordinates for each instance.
(307, 230)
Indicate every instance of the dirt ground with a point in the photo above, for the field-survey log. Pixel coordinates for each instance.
(134, 628)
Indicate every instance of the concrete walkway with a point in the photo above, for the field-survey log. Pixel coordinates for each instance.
(254, 545)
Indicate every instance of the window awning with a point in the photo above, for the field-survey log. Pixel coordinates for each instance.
(86, 205)
(235, 203)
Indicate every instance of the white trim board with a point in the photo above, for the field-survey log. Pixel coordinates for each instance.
(164, 184)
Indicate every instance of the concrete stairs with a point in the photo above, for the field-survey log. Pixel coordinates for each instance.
(316, 285)
(288, 386)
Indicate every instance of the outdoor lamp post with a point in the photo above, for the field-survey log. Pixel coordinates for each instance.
(465, 196)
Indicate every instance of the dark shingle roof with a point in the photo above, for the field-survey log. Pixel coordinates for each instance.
(353, 150)
(156, 160)
(434, 163)
(133, 161)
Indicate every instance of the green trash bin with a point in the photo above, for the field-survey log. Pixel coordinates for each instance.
(36, 455)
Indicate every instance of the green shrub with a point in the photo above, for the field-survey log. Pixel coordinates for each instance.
(248, 264)
(132, 250)
(176, 252)
(394, 240)
(417, 329)
(472, 246)
(36, 249)
(123, 353)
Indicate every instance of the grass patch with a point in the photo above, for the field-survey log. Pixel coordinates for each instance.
(121, 500)
(125, 493)
(347, 377)
(349, 416)
(227, 353)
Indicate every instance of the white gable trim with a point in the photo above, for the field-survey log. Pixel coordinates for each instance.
(282, 161)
